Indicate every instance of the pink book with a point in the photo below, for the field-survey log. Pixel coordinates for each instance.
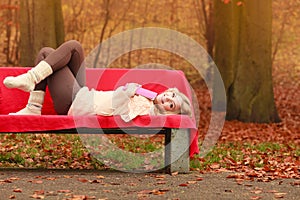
(146, 93)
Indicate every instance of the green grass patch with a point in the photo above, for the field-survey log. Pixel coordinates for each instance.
(231, 155)
(130, 152)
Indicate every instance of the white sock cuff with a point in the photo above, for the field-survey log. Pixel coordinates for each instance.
(36, 97)
(42, 70)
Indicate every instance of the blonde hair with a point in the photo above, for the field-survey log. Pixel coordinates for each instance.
(185, 107)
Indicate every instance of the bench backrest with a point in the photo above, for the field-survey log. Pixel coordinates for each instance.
(12, 100)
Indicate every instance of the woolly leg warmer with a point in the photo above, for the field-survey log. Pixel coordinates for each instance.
(34, 105)
(27, 81)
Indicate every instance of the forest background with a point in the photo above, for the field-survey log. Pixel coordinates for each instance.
(89, 26)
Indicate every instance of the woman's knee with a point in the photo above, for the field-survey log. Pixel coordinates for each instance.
(76, 47)
(74, 44)
(46, 50)
(43, 53)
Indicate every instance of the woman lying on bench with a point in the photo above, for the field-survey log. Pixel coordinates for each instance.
(62, 71)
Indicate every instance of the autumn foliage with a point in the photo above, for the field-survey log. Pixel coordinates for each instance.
(262, 151)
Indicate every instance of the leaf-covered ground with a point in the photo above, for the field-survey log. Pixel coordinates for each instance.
(264, 151)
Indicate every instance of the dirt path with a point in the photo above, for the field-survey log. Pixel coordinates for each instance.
(90, 184)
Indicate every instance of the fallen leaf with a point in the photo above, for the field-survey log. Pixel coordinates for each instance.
(215, 166)
(37, 196)
(183, 184)
(36, 181)
(296, 183)
(256, 191)
(192, 182)
(115, 183)
(279, 195)
(17, 190)
(83, 180)
(78, 197)
(157, 192)
(39, 192)
(160, 177)
(174, 173)
(51, 178)
(272, 191)
(239, 181)
(64, 191)
(14, 178)
(5, 181)
(164, 190)
(145, 192)
(161, 182)
(96, 181)
(255, 197)
(51, 193)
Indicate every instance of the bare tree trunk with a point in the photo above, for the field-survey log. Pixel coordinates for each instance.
(173, 18)
(243, 55)
(116, 24)
(41, 24)
(106, 8)
(140, 51)
(130, 48)
(11, 32)
(209, 30)
(8, 34)
(204, 11)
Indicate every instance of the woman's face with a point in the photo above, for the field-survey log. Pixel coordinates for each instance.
(168, 101)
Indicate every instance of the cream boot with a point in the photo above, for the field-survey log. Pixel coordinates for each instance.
(27, 81)
(34, 105)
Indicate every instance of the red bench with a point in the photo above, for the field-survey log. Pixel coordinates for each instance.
(180, 130)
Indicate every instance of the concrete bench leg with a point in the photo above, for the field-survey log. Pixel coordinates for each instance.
(177, 144)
